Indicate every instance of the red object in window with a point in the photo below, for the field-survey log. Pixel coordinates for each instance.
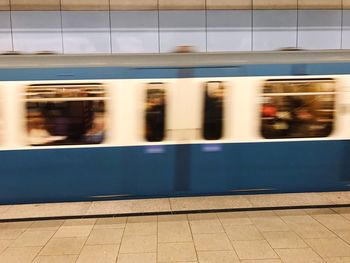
(269, 111)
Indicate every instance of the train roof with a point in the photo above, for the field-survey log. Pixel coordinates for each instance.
(174, 59)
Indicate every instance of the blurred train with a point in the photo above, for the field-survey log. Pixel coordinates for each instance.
(97, 127)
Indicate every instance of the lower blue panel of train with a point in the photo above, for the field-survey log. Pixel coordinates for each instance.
(79, 174)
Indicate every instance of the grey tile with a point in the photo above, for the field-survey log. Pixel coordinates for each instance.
(299, 255)
(257, 249)
(171, 252)
(229, 30)
(179, 28)
(138, 244)
(274, 29)
(319, 29)
(5, 45)
(63, 246)
(105, 236)
(86, 31)
(134, 31)
(99, 253)
(217, 241)
(35, 31)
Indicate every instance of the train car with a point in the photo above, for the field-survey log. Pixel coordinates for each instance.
(99, 127)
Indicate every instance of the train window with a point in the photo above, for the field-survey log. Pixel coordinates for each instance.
(155, 110)
(65, 114)
(297, 108)
(213, 110)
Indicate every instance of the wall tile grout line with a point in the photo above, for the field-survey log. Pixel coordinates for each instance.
(61, 20)
(11, 25)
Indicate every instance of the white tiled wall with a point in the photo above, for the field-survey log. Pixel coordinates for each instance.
(274, 29)
(86, 32)
(179, 28)
(163, 30)
(319, 29)
(5, 32)
(36, 31)
(135, 31)
(229, 30)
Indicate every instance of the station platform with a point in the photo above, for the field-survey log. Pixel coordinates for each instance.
(179, 205)
(234, 229)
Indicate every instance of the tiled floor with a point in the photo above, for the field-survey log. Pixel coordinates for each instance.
(296, 235)
(173, 205)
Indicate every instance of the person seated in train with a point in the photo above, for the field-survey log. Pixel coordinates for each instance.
(97, 133)
(37, 133)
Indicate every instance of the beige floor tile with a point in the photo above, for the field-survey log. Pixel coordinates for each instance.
(142, 219)
(174, 252)
(211, 202)
(205, 224)
(307, 227)
(137, 258)
(56, 259)
(33, 239)
(4, 243)
(217, 257)
(46, 210)
(285, 239)
(4, 208)
(79, 222)
(63, 246)
(345, 235)
(105, 236)
(99, 254)
(174, 231)
(19, 254)
(337, 197)
(333, 221)
(138, 244)
(74, 231)
(130, 206)
(343, 211)
(10, 233)
(259, 214)
(290, 212)
(319, 211)
(243, 232)
(329, 247)
(234, 219)
(273, 223)
(299, 255)
(141, 228)
(262, 261)
(16, 225)
(257, 249)
(110, 222)
(217, 241)
(46, 225)
(338, 260)
(172, 218)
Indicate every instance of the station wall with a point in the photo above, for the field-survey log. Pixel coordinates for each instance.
(161, 28)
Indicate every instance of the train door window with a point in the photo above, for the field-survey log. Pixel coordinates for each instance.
(65, 114)
(213, 110)
(299, 108)
(155, 112)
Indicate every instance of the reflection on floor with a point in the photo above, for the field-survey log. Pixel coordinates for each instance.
(295, 235)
